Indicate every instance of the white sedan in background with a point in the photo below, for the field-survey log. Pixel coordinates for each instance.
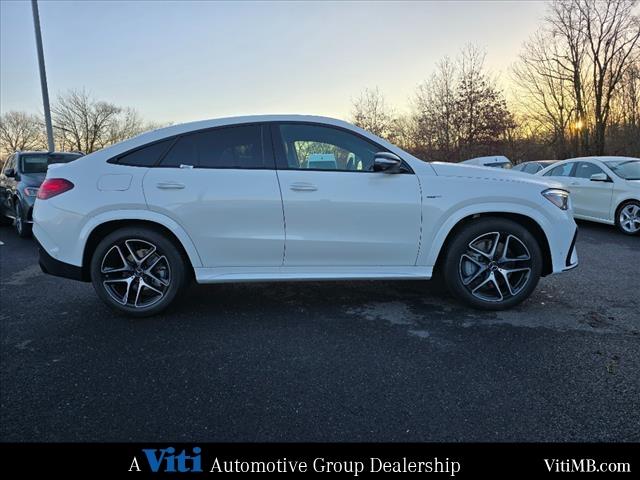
(603, 189)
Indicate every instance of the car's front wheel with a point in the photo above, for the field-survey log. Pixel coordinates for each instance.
(628, 218)
(137, 271)
(493, 263)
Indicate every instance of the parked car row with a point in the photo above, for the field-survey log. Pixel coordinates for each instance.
(603, 189)
(305, 198)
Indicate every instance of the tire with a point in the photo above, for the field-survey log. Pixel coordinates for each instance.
(138, 271)
(23, 229)
(489, 278)
(628, 217)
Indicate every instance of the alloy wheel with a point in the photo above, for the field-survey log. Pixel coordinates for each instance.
(496, 266)
(629, 218)
(135, 273)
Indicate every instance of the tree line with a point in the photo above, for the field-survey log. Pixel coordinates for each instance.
(575, 84)
(80, 123)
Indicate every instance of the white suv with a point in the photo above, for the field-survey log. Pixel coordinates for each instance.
(242, 199)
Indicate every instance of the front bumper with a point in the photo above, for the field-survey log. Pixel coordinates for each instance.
(571, 261)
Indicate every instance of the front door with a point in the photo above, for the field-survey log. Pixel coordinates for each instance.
(338, 211)
(590, 198)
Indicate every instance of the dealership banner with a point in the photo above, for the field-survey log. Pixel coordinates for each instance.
(458, 460)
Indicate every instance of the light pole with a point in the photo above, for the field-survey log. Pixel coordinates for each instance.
(43, 76)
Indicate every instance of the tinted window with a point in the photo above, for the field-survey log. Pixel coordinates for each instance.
(317, 147)
(531, 168)
(520, 167)
(627, 169)
(585, 170)
(560, 171)
(232, 147)
(146, 156)
(40, 162)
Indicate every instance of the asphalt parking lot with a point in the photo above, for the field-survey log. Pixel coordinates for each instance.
(357, 361)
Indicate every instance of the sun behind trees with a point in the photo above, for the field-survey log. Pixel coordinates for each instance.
(576, 91)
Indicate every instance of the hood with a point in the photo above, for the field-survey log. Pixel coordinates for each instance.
(488, 174)
(32, 179)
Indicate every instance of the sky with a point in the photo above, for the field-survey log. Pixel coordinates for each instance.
(177, 61)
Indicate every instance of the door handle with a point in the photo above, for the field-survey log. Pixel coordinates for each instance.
(170, 185)
(303, 187)
(575, 183)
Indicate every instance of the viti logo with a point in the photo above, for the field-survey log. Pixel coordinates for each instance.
(166, 460)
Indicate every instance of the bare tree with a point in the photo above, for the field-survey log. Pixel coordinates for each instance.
(565, 29)
(371, 112)
(81, 122)
(20, 131)
(612, 38)
(482, 116)
(546, 92)
(434, 106)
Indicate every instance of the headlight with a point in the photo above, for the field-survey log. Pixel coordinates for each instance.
(31, 191)
(560, 198)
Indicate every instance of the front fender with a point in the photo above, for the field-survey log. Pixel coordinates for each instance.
(435, 235)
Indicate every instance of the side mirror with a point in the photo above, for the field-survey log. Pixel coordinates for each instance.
(386, 162)
(10, 173)
(599, 177)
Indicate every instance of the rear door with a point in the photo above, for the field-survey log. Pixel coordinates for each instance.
(221, 186)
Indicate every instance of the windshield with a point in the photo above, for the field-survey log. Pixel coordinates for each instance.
(499, 165)
(627, 169)
(38, 163)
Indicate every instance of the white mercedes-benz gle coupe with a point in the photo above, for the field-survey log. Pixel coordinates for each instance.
(287, 197)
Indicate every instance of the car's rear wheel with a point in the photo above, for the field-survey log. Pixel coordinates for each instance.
(137, 271)
(23, 228)
(628, 218)
(493, 263)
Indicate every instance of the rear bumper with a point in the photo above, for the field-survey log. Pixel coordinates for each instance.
(51, 266)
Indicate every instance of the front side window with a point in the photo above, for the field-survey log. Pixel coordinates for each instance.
(230, 147)
(627, 169)
(315, 147)
(585, 170)
(531, 168)
(563, 170)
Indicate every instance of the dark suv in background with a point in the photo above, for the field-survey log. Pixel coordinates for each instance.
(19, 183)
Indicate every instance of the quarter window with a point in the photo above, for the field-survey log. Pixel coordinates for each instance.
(585, 170)
(314, 147)
(563, 170)
(231, 147)
(146, 156)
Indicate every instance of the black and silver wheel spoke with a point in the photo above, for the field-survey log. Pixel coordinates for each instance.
(135, 273)
(496, 266)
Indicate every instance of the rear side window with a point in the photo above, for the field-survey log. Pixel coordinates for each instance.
(146, 156)
(231, 147)
(563, 170)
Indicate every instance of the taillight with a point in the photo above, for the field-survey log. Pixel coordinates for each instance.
(53, 186)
